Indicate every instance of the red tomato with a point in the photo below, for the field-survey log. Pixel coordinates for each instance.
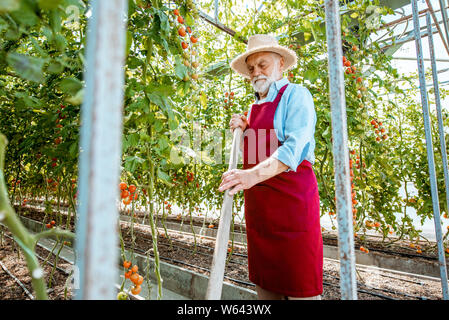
(132, 188)
(123, 186)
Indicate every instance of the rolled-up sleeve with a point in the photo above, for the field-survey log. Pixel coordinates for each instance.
(298, 128)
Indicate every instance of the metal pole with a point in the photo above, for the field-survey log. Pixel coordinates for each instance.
(426, 116)
(413, 58)
(429, 4)
(445, 22)
(348, 283)
(100, 154)
(220, 26)
(437, 219)
(216, 11)
(215, 284)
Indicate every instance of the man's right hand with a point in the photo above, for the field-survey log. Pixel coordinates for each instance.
(238, 120)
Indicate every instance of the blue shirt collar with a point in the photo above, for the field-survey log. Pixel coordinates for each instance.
(274, 89)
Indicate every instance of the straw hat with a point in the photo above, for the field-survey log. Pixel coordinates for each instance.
(259, 43)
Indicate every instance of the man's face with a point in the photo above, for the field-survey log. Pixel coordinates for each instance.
(264, 69)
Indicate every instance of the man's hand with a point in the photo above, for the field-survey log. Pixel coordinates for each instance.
(238, 120)
(240, 180)
(237, 180)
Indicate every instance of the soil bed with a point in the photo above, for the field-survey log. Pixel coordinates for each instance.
(16, 264)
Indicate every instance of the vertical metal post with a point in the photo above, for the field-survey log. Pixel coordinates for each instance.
(348, 283)
(100, 154)
(426, 116)
(437, 25)
(445, 22)
(216, 11)
(437, 219)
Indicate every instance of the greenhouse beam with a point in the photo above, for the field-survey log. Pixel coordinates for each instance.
(100, 152)
(428, 133)
(444, 15)
(404, 19)
(348, 284)
(414, 58)
(437, 218)
(410, 36)
(437, 25)
(219, 25)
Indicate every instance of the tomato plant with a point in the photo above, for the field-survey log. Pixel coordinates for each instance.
(180, 96)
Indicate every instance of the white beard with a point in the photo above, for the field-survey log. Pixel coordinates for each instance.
(262, 86)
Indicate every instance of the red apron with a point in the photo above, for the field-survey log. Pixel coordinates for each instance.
(285, 248)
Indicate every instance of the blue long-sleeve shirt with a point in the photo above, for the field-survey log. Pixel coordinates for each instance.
(294, 123)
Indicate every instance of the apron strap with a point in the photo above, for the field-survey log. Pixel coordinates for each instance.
(280, 93)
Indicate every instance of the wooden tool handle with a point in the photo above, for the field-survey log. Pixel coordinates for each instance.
(215, 285)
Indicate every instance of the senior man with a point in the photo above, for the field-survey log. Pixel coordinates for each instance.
(282, 211)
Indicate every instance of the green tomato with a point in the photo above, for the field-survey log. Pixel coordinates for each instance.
(122, 296)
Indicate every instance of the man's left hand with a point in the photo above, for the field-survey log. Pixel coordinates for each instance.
(238, 180)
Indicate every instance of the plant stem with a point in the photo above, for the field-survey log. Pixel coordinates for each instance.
(21, 235)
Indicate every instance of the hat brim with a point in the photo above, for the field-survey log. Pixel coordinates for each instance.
(239, 63)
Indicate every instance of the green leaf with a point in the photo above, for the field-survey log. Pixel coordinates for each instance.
(131, 163)
(12, 34)
(203, 99)
(180, 68)
(165, 45)
(165, 25)
(173, 124)
(37, 47)
(158, 125)
(133, 140)
(160, 89)
(326, 133)
(131, 7)
(189, 20)
(49, 4)
(55, 20)
(73, 149)
(140, 105)
(55, 67)
(165, 178)
(70, 86)
(311, 75)
(26, 14)
(162, 142)
(134, 63)
(60, 42)
(9, 5)
(161, 101)
(77, 99)
(26, 101)
(27, 67)
(48, 33)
